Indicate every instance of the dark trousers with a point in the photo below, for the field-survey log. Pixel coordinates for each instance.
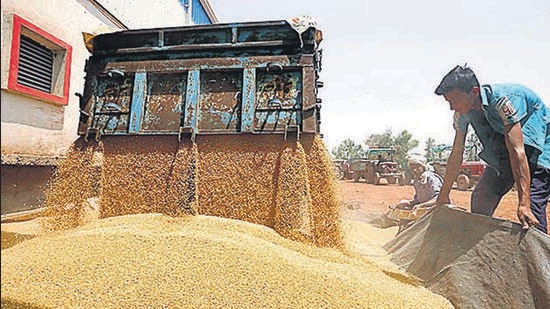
(492, 186)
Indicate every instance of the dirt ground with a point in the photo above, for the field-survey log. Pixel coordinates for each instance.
(376, 198)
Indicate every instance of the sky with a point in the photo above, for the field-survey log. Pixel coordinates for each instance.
(382, 60)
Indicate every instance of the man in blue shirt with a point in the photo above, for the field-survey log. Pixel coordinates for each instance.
(513, 125)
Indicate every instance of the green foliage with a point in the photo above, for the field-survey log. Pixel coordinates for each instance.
(348, 149)
(402, 143)
(430, 151)
(440, 152)
(472, 146)
(384, 140)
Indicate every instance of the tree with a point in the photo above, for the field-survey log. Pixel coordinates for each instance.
(402, 143)
(348, 149)
(431, 154)
(384, 140)
(472, 146)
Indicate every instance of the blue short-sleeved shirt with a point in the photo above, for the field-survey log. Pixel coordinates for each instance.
(507, 104)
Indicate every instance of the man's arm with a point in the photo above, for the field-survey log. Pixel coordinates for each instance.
(453, 168)
(429, 203)
(520, 169)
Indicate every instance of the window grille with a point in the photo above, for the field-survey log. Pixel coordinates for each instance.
(35, 65)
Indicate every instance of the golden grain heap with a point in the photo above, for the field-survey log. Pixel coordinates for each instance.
(206, 224)
(160, 261)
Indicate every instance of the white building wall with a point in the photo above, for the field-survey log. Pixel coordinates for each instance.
(138, 14)
(33, 127)
(30, 126)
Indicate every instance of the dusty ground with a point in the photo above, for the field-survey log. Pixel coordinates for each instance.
(376, 198)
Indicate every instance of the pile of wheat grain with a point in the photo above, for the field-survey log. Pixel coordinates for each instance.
(160, 261)
(205, 224)
(287, 185)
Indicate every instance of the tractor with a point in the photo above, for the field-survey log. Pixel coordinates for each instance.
(470, 171)
(378, 163)
(342, 169)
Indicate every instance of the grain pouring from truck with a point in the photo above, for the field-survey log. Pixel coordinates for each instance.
(218, 119)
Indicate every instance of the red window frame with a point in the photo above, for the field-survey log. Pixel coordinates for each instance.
(18, 23)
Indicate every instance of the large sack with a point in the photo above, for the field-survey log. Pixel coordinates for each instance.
(476, 261)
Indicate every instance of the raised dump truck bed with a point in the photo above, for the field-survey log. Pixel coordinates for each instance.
(255, 77)
(219, 120)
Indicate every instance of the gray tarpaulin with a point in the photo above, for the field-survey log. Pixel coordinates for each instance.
(476, 261)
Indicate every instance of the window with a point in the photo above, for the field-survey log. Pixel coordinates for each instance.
(198, 13)
(40, 63)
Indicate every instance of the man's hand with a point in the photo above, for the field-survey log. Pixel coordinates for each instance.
(526, 217)
(403, 204)
(413, 212)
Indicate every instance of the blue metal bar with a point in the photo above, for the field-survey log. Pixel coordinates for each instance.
(249, 99)
(138, 102)
(192, 101)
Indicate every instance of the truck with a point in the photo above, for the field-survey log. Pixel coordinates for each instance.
(376, 165)
(237, 78)
(469, 174)
(342, 169)
(470, 171)
(224, 117)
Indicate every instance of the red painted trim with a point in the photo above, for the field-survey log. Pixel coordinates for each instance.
(14, 57)
(19, 22)
(67, 77)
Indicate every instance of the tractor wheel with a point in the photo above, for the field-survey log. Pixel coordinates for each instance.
(377, 178)
(339, 174)
(463, 182)
(369, 177)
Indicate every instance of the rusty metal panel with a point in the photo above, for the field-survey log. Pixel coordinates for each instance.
(112, 104)
(87, 104)
(245, 77)
(278, 100)
(164, 103)
(276, 37)
(220, 101)
(311, 109)
(199, 36)
(182, 65)
(126, 39)
(273, 33)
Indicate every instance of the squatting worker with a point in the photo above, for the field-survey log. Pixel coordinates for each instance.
(513, 125)
(427, 186)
